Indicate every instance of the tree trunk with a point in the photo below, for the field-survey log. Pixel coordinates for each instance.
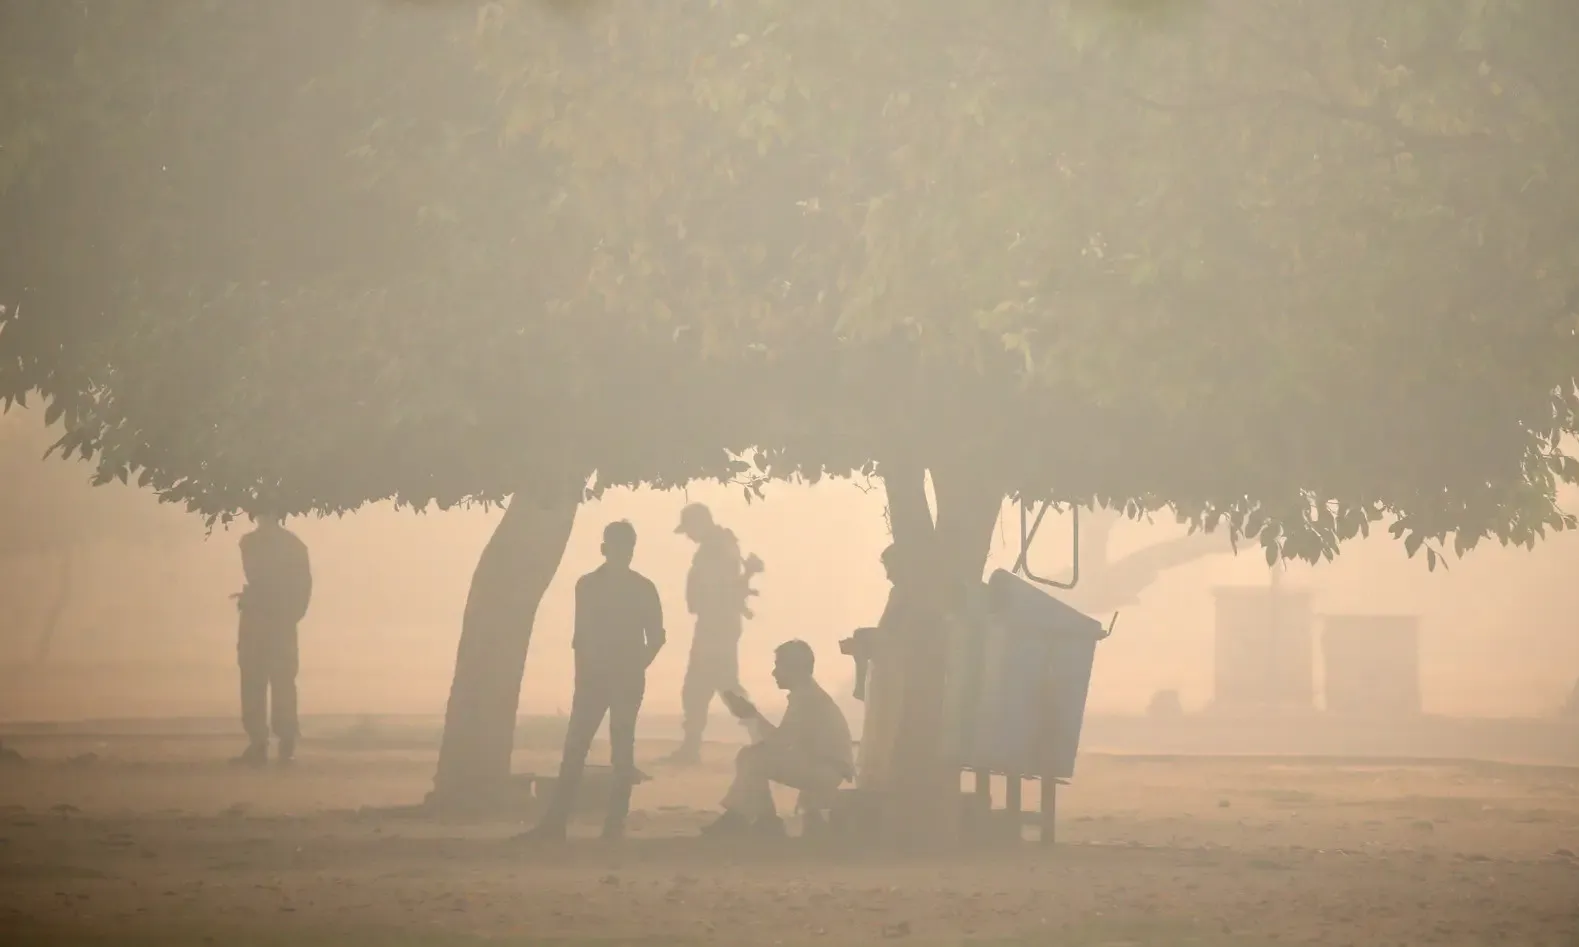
(514, 571)
(944, 561)
(57, 607)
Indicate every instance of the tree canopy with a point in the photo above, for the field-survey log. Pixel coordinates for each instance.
(1293, 266)
(48, 509)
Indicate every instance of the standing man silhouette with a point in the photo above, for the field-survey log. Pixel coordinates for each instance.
(716, 590)
(279, 586)
(619, 630)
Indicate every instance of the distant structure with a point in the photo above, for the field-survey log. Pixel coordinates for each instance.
(1165, 705)
(1371, 665)
(1264, 654)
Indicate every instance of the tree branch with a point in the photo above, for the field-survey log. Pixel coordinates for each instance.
(1119, 583)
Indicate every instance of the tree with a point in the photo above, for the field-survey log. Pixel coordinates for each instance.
(1289, 271)
(1108, 584)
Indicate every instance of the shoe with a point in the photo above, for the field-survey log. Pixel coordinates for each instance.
(287, 754)
(728, 824)
(686, 755)
(256, 754)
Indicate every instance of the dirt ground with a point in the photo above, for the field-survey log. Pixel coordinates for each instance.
(153, 842)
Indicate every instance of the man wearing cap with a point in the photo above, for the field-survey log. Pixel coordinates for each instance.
(716, 590)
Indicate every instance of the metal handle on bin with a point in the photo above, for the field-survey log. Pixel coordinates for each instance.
(1028, 533)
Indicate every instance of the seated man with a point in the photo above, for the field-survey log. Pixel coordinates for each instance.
(809, 750)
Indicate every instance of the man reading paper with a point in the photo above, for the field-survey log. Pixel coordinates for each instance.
(810, 749)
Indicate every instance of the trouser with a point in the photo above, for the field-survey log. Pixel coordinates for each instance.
(884, 708)
(269, 661)
(616, 693)
(714, 666)
(759, 766)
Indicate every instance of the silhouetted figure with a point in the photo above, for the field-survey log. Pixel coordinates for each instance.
(619, 630)
(810, 749)
(272, 603)
(716, 592)
(883, 680)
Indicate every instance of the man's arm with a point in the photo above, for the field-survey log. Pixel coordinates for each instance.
(580, 619)
(694, 582)
(747, 713)
(253, 580)
(306, 584)
(652, 625)
(249, 559)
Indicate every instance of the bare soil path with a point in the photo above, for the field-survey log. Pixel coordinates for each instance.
(156, 844)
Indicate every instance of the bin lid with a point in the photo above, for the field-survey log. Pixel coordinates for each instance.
(1026, 605)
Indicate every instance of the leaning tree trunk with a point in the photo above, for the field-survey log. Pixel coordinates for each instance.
(514, 571)
(944, 560)
(57, 607)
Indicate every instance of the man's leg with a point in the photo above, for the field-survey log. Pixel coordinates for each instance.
(254, 669)
(750, 796)
(624, 708)
(282, 697)
(757, 767)
(587, 708)
(696, 699)
(726, 665)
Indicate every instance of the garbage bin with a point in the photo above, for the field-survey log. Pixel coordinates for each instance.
(1020, 672)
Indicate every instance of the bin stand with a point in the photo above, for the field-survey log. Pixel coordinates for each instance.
(1049, 810)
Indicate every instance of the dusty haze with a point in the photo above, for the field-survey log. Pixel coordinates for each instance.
(149, 630)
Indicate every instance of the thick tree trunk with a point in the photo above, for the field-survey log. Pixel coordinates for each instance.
(944, 561)
(57, 607)
(514, 571)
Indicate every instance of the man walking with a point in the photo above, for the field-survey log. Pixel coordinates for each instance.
(618, 631)
(716, 590)
(279, 584)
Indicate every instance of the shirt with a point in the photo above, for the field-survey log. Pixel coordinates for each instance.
(619, 619)
(278, 575)
(814, 725)
(715, 588)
